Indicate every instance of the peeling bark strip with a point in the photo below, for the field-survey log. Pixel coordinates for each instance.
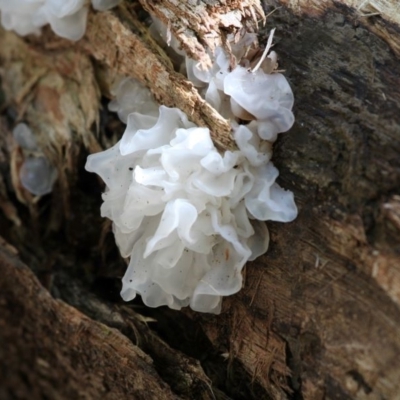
(201, 25)
(120, 41)
(112, 41)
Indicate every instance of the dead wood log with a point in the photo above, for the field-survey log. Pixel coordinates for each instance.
(318, 316)
(45, 342)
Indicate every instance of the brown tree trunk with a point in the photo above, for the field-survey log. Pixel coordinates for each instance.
(319, 314)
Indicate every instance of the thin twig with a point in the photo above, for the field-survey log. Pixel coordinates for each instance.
(267, 49)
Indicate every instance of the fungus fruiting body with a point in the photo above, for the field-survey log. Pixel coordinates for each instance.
(36, 175)
(66, 18)
(188, 216)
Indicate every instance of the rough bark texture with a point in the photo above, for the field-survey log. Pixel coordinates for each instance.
(71, 356)
(382, 17)
(319, 314)
(202, 25)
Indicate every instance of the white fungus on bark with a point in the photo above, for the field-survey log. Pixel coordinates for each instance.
(36, 174)
(67, 18)
(187, 216)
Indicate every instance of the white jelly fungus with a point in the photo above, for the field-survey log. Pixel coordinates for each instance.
(37, 175)
(67, 18)
(187, 216)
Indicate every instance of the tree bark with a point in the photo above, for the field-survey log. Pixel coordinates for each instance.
(51, 350)
(319, 314)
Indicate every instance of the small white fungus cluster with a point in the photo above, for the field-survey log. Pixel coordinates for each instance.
(36, 175)
(188, 216)
(67, 18)
(242, 93)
